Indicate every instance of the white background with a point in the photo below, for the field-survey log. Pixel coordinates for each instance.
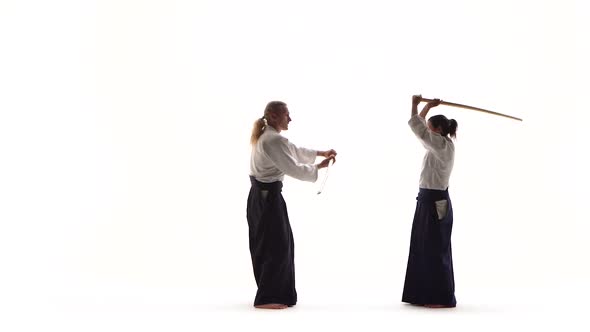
(124, 129)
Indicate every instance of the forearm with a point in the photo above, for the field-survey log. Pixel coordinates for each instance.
(424, 111)
(304, 155)
(327, 153)
(298, 167)
(414, 109)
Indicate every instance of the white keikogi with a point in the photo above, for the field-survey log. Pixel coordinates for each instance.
(273, 156)
(440, 155)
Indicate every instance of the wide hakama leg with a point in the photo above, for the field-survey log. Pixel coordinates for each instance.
(271, 244)
(429, 275)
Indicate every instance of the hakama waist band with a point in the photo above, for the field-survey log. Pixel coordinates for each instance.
(432, 195)
(271, 186)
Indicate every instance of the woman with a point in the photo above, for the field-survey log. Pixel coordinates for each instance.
(429, 275)
(271, 238)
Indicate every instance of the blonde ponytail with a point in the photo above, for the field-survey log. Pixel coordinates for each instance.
(257, 130)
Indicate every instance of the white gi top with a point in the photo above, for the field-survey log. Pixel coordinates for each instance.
(273, 156)
(439, 158)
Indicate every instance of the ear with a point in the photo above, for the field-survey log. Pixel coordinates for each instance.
(272, 116)
(433, 129)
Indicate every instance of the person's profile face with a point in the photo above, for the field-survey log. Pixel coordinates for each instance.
(283, 119)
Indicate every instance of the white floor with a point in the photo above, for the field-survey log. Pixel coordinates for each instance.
(179, 309)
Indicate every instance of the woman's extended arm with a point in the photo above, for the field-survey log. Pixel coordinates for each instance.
(415, 101)
(428, 106)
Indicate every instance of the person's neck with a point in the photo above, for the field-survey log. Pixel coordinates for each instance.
(275, 128)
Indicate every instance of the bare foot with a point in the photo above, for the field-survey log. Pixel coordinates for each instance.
(437, 306)
(271, 306)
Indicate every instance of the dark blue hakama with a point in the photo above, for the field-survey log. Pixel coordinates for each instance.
(271, 244)
(429, 274)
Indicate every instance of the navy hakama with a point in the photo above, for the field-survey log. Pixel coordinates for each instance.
(271, 244)
(429, 274)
